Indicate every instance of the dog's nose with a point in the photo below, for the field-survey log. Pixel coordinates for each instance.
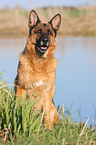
(45, 41)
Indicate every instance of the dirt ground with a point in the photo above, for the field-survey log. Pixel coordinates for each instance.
(79, 21)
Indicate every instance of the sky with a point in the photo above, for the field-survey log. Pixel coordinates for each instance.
(43, 3)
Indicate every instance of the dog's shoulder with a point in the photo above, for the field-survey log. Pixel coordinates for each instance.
(51, 65)
(24, 63)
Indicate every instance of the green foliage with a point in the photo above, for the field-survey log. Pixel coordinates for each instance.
(24, 13)
(19, 124)
(74, 13)
(16, 116)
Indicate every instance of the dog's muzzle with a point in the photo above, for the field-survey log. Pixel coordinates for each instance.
(42, 44)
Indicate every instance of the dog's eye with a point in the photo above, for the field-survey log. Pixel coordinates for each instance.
(49, 32)
(39, 31)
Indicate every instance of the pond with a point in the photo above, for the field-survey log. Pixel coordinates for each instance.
(75, 75)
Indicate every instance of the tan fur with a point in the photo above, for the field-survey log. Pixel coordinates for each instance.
(36, 77)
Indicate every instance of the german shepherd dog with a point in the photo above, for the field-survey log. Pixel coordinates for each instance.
(37, 66)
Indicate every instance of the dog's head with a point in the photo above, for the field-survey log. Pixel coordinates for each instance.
(42, 35)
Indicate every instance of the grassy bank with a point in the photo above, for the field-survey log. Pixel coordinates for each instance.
(79, 21)
(20, 125)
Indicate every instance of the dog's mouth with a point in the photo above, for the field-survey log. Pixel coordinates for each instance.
(42, 46)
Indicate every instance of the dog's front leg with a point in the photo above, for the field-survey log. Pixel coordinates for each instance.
(51, 116)
(20, 92)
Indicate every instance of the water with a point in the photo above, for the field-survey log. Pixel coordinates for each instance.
(75, 75)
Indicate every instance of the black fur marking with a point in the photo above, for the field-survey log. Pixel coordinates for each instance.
(38, 21)
(32, 27)
(39, 54)
(44, 25)
(50, 22)
(38, 46)
(53, 29)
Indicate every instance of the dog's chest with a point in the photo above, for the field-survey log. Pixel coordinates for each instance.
(42, 84)
(39, 83)
(37, 74)
(44, 75)
(43, 81)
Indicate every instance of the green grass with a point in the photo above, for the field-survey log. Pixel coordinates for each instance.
(20, 125)
(74, 13)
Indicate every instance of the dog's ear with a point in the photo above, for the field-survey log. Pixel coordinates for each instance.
(55, 22)
(33, 19)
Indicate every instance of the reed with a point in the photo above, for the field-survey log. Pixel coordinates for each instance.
(19, 124)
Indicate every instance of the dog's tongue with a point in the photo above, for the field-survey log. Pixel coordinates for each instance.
(43, 48)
